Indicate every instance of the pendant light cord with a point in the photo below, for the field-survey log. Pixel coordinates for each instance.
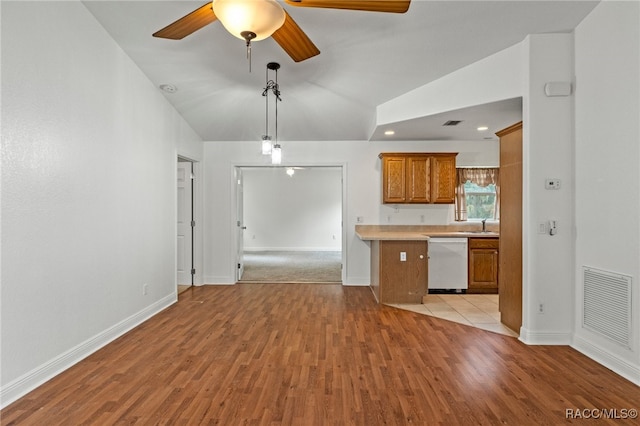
(266, 95)
(276, 91)
(249, 53)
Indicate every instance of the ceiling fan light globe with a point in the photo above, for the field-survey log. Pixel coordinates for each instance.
(262, 17)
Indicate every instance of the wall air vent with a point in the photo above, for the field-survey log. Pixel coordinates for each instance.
(452, 123)
(607, 304)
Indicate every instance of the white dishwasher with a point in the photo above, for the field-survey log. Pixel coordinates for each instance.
(448, 264)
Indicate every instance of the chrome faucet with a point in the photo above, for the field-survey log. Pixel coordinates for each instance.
(484, 225)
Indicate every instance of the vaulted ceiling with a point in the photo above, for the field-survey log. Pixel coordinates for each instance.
(366, 59)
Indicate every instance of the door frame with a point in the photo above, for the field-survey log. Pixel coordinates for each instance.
(197, 214)
(238, 177)
(184, 223)
(235, 219)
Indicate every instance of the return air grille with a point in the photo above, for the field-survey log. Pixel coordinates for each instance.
(607, 304)
(452, 122)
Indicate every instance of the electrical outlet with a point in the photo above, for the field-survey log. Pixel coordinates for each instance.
(540, 308)
(552, 183)
(359, 219)
(145, 289)
(421, 218)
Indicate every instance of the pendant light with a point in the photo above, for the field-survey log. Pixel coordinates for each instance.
(272, 85)
(276, 154)
(266, 145)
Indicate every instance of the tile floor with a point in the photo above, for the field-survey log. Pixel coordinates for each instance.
(477, 310)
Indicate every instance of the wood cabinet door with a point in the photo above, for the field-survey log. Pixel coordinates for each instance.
(443, 185)
(419, 179)
(483, 270)
(394, 187)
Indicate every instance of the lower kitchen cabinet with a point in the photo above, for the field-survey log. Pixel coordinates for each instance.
(399, 270)
(483, 265)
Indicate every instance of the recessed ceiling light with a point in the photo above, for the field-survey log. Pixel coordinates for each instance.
(482, 128)
(390, 132)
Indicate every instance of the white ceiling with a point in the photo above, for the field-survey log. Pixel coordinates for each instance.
(366, 59)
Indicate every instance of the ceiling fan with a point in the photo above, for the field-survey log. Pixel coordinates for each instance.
(267, 18)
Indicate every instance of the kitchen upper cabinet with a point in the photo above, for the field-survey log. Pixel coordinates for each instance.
(483, 265)
(443, 186)
(394, 176)
(418, 178)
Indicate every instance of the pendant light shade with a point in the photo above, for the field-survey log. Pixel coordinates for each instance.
(241, 17)
(276, 154)
(266, 145)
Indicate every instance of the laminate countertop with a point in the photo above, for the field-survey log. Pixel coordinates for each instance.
(423, 232)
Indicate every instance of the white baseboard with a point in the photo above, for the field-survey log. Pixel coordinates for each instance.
(34, 378)
(213, 280)
(614, 363)
(357, 281)
(529, 337)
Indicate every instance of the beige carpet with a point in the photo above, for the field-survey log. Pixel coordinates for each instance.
(292, 266)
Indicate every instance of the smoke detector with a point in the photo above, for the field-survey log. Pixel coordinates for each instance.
(168, 88)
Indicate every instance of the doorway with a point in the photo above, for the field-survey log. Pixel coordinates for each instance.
(290, 224)
(185, 225)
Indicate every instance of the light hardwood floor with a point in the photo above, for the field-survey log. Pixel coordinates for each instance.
(304, 354)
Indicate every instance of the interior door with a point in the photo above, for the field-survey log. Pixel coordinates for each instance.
(184, 237)
(239, 223)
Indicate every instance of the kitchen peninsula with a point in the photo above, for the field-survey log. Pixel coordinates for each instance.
(399, 256)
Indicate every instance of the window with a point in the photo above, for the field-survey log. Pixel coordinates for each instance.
(481, 200)
(477, 194)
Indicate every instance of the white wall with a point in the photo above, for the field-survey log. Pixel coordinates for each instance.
(89, 150)
(302, 212)
(547, 153)
(494, 78)
(362, 193)
(607, 158)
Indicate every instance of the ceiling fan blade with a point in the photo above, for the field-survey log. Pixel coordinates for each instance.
(294, 41)
(188, 24)
(390, 6)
